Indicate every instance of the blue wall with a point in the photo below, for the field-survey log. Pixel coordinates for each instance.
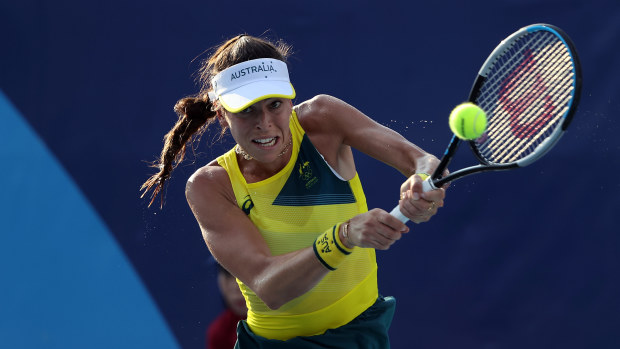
(528, 258)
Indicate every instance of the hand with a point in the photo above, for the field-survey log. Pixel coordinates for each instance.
(417, 205)
(375, 229)
(427, 164)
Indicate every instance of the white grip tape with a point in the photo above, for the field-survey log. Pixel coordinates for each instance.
(427, 185)
(396, 213)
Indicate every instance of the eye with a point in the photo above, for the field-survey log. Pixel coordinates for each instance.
(247, 110)
(275, 104)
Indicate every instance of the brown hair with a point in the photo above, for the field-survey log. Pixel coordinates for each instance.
(196, 113)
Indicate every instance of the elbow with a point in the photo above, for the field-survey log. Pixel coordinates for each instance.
(271, 300)
(274, 305)
(273, 296)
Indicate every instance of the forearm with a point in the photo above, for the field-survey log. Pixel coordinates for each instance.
(286, 277)
(290, 275)
(332, 120)
(389, 147)
(404, 156)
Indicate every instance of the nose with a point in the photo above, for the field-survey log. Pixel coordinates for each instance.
(263, 119)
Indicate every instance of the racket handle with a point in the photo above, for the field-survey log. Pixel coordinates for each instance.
(396, 213)
(427, 185)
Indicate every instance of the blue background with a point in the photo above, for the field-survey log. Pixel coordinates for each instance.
(527, 258)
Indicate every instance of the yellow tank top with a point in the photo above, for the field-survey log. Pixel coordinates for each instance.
(290, 209)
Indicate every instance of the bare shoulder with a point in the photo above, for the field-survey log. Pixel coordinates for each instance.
(208, 175)
(210, 182)
(312, 114)
(319, 101)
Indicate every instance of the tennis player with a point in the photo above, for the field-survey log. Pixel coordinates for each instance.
(284, 210)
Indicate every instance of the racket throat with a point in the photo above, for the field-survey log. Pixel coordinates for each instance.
(445, 160)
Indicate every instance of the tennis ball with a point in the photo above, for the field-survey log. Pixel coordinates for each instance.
(468, 121)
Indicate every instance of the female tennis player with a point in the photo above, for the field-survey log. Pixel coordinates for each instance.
(284, 210)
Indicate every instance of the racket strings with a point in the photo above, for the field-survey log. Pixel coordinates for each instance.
(527, 92)
(526, 102)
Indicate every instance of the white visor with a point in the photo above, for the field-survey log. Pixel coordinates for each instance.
(248, 82)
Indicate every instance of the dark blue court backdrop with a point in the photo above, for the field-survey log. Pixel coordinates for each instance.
(526, 259)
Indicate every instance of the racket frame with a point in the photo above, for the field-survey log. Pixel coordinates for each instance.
(436, 180)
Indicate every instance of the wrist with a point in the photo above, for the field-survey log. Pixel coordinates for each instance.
(343, 236)
(329, 249)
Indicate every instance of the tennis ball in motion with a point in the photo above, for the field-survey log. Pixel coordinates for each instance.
(468, 121)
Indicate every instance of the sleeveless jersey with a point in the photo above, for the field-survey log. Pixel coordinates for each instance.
(290, 209)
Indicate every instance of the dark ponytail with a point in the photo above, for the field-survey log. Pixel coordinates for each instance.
(195, 116)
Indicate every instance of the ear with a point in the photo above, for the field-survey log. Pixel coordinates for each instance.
(221, 118)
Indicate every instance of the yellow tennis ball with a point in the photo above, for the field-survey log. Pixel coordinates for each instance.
(468, 121)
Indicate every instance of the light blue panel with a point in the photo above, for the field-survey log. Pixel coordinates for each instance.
(65, 283)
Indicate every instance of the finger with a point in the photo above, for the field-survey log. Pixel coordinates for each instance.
(389, 235)
(416, 187)
(383, 231)
(436, 195)
(373, 239)
(421, 210)
(392, 224)
(414, 206)
(366, 230)
(380, 242)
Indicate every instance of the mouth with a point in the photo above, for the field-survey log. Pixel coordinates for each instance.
(266, 142)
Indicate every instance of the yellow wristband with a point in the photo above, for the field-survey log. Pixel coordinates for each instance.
(423, 175)
(329, 249)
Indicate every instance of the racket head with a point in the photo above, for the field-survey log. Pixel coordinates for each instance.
(529, 87)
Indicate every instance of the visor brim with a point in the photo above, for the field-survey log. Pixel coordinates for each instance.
(239, 99)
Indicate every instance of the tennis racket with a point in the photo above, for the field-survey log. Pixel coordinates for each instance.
(529, 88)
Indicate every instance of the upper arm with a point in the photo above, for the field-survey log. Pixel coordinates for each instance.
(225, 228)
